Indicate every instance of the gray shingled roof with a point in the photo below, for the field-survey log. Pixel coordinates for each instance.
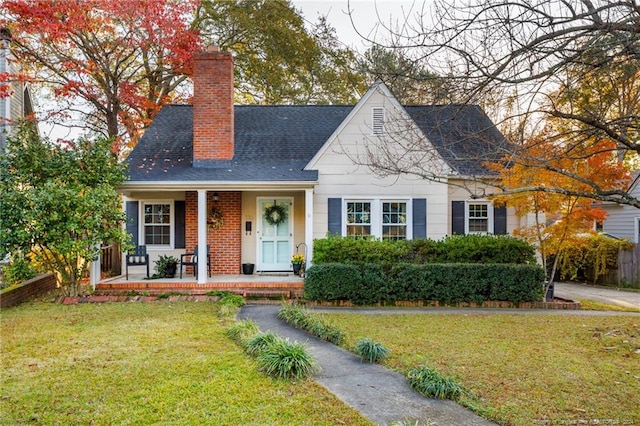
(274, 143)
(463, 135)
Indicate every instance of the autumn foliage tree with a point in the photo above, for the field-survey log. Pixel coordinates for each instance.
(542, 162)
(115, 63)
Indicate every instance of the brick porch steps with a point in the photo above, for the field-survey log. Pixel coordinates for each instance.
(252, 290)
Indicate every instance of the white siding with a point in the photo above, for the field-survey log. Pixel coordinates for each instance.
(622, 221)
(341, 176)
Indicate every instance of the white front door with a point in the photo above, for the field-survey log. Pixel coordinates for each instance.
(275, 234)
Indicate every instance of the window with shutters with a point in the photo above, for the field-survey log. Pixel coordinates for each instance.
(377, 120)
(157, 224)
(385, 219)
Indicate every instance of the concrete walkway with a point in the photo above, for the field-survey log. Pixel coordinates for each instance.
(612, 296)
(381, 395)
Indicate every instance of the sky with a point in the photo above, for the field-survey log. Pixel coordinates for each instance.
(365, 13)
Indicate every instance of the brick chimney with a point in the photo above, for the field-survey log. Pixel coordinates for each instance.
(212, 106)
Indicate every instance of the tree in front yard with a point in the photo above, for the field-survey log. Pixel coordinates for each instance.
(569, 216)
(59, 202)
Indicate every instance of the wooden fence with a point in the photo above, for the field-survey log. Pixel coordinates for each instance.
(629, 267)
(111, 260)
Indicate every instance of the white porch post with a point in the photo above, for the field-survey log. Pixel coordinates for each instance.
(94, 270)
(308, 224)
(202, 236)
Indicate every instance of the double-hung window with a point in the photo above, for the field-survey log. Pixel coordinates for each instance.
(394, 220)
(385, 219)
(479, 218)
(358, 219)
(157, 218)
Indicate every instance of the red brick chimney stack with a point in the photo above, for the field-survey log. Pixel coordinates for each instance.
(212, 106)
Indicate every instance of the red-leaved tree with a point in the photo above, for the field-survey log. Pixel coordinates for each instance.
(111, 63)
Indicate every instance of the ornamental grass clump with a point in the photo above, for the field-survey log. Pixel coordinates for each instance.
(242, 332)
(432, 384)
(301, 318)
(371, 351)
(286, 360)
(261, 342)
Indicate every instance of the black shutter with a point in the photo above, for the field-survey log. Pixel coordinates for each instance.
(132, 221)
(334, 216)
(500, 220)
(179, 218)
(457, 217)
(419, 218)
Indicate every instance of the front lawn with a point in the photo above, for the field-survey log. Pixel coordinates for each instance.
(525, 369)
(143, 363)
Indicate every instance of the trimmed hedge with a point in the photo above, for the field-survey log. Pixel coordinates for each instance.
(453, 249)
(367, 284)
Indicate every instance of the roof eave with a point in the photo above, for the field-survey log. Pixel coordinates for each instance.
(130, 186)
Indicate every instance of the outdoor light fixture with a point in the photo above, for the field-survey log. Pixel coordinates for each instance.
(216, 197)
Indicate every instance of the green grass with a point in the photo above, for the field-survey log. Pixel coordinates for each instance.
(592, 305)
(522, 369)
(143, 363)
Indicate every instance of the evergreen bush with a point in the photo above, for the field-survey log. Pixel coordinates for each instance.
(445, 283)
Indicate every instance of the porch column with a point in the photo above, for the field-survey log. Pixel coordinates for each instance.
(94, 270)
(308, 224)
(202, 236)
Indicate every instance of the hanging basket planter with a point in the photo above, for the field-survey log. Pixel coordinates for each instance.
(275, 214)
(215, 219)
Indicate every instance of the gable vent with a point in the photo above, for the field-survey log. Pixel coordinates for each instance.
(377, 118)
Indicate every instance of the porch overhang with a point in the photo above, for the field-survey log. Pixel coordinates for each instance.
(133, 186)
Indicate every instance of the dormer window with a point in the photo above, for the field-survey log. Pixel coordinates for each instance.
(377, 120)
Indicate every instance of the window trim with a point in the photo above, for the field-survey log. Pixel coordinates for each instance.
(142, 227)
(490, 223)
(376, 222)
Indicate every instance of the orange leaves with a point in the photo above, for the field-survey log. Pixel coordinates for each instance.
(560, 178)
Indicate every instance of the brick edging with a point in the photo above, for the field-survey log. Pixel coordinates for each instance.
(559, 305)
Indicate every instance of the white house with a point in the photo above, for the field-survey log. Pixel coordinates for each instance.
(283, 175)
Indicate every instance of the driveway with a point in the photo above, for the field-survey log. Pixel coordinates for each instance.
(611, 296)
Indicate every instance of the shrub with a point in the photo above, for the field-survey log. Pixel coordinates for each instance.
(454, 249)
(432, 384)
(591, 257)
(19, 269)
(242, 332)
(301, 318)
(286, 360)
(371, 351)
(261, 342)
(446, 283)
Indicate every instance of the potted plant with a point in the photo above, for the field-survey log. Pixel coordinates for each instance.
(166, 266)
(297, 260)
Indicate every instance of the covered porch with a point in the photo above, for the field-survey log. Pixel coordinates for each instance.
(171, 220)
